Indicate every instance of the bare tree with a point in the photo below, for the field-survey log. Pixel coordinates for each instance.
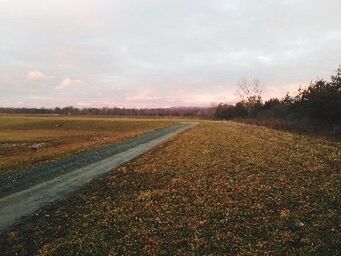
(250, 93)
(211, 109)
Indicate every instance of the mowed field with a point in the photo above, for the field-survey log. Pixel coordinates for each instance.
(26, 141)
(221, 188)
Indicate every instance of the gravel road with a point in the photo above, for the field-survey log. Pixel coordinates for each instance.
(24, 192)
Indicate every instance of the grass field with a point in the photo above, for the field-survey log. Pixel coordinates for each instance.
(26, 141)
(222, 188)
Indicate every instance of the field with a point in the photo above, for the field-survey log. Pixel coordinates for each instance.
(26, 141)
(219, 188)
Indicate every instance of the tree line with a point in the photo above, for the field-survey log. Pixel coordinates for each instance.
(319, 104)
(188, 112)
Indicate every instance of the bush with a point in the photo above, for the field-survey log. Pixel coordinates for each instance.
(320, 101)
(227, 111)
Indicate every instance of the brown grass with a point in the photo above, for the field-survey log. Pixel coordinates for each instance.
(308, 127)
(222, 188)
(31, 140)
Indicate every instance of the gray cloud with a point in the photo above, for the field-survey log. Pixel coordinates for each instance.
(161, 53)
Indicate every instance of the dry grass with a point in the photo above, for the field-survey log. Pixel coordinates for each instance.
(221, 188)
(308, 127)
(30, 140)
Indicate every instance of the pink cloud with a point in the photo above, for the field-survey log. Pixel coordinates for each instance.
(67, 82)
(148, 98)
(36, 75)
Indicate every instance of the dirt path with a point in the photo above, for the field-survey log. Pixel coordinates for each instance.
(24, 195)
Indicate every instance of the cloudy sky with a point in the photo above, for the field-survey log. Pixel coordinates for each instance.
(160, 53)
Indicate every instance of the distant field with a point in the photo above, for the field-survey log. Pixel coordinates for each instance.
(26, 141)
(220, 188)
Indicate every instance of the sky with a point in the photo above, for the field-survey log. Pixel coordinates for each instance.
(161, 53)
